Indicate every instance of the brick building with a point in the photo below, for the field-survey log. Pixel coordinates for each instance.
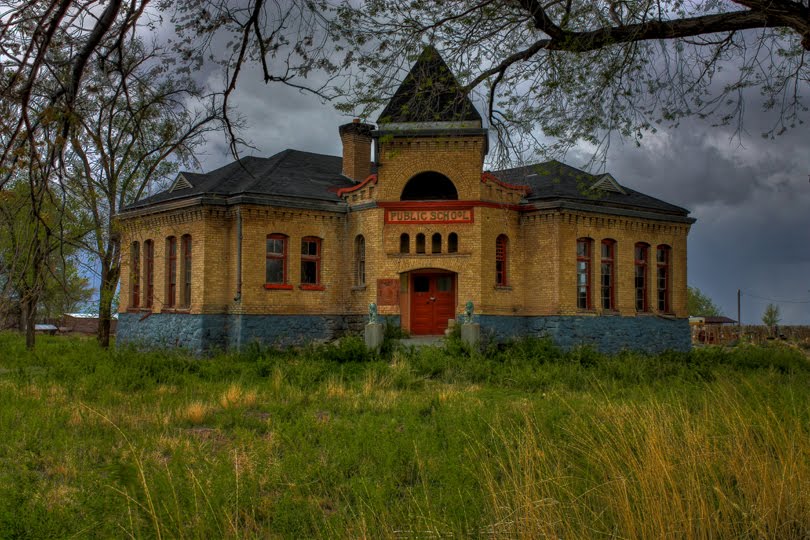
(294, 247)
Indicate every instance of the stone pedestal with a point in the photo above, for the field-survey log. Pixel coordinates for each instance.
(471, 334)
(374, 336)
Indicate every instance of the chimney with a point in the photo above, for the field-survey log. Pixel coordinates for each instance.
(356, 139)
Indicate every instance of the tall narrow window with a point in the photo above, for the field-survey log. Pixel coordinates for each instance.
(663, 254)
(501, 255)
(135, 274)
(452, 243)
(436, 243)
(149, 271)
(360, 260)
(404, 243)
(310, 260)
(275, 268)
(185, 249)
(641, 255)
(171, 271)
(420, 243)
(584, 249)
(608, 274)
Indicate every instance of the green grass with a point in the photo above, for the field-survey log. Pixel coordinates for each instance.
(331, 442)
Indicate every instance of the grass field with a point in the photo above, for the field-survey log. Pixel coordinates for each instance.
(328, 442)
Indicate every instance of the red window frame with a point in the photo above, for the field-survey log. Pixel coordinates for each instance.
(608, 274)
(185, 248)
(307, 245)
(149, 271)
(272, 255)
(135, 274)
(584, 251)
(642, 255)
(663, 256)
(501, 260)
(171, 271)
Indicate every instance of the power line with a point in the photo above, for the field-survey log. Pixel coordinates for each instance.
(775, 300)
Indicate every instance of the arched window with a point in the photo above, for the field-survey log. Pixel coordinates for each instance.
(404, 243)
(420, 243)
(171, 271)
(135, 274)
(436, 243)
(584, 253)
(185, 249)
(275, 269)
(360, 260)
(452, 243)
(429, 186)
(608, 274)
(663, 256)
(642, 254)
(501, 260)
(149, 271)
(310, 260)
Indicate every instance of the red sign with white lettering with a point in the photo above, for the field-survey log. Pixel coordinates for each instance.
(429, 215)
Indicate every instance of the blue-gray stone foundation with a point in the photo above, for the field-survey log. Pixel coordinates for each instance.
(210, 332)
(608, 334)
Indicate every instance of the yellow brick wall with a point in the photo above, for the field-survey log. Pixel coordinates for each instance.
(458, 158)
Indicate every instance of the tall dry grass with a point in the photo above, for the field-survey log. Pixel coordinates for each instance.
(725, 467)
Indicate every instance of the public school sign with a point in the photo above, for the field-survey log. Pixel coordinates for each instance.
(429, 215)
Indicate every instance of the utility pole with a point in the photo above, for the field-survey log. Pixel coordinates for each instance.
(739, 320)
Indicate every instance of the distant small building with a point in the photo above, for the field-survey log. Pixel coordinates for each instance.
(713, 330)
(84, 323)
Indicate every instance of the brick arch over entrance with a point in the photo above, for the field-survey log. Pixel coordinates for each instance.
(429, 186)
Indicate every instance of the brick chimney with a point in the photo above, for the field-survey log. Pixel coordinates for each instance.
(356, 139)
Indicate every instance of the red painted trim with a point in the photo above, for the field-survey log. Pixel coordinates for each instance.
(278, 286)
(430, 209)
(489, 177)
(372, 178)
(410, 205)
(311, 287)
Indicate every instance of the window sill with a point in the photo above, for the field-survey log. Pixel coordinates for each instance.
(610, 313)
(311, 287)
(503, 287)
(589, 311)
(645, 314)
(137, 309)
(358, 288)
(177, 311)
(278, 286)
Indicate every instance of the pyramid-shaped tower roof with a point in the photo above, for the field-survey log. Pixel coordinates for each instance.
(429, 93)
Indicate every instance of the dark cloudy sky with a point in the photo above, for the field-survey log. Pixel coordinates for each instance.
(750, 195)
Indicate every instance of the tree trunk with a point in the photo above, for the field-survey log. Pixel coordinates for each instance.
(29, 309)
(109, 283)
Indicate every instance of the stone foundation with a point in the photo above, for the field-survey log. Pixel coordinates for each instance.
(203, 333)
(606, 334)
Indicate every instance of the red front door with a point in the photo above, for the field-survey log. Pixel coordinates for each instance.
(433, 302)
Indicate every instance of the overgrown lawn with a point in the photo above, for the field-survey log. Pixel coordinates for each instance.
(330, 442)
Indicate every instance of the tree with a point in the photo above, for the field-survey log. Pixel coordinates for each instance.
(581, 70)
(132, 129)
(699, 304)
(770, 317)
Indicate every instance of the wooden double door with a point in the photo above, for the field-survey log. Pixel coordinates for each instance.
(433, 302)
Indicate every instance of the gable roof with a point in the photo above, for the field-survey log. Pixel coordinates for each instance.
(553, 180)
(429, 93)
(290, 173)
(304, 179)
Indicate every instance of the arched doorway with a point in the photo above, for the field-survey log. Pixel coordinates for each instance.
(429, 186)
(432, 300)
